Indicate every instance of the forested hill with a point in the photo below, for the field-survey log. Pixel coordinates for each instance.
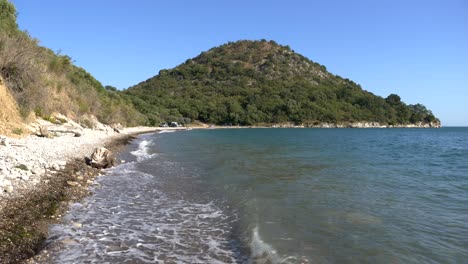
(261, 82)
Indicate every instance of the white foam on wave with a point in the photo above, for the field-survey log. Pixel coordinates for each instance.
(142, 153)
(166, 131)
(144, 224)
(262, 252)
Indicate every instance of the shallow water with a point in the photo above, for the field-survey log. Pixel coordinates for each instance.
(277, 196)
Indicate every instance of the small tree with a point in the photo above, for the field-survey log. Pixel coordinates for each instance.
(393, 99)
(7, 17)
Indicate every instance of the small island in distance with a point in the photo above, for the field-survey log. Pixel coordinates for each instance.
(262, 83)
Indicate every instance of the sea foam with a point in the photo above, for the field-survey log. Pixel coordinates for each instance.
(143, 223)
(142, 153)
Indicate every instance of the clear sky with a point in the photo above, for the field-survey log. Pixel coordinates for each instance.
(417, 49)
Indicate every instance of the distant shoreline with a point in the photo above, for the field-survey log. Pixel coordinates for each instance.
(328, 125)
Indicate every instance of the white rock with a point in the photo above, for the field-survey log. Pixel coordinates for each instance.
(55, 166)
(77, 225)
(72, 183)
(9, 189)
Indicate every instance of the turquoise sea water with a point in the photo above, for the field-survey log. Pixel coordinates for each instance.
(278, 196)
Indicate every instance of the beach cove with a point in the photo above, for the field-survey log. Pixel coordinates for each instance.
(275, 196)
(40, 176)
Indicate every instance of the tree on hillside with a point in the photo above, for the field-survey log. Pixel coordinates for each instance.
(393, 99)
(7, 17)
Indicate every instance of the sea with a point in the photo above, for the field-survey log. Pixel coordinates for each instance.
(280, 195)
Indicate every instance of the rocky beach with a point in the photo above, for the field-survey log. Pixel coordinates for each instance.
(41, 173)
(25, 162)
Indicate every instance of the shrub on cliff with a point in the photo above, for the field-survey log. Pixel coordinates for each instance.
(7, 17)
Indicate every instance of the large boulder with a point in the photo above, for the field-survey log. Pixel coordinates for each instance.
(102, 158)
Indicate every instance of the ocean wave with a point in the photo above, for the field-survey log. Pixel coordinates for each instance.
(166, 131)
(262, 252)
(143, 223)
(142, 153)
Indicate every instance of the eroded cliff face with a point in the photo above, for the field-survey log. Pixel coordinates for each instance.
(10, 118)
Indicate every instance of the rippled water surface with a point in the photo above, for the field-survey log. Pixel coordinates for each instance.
(277, 196)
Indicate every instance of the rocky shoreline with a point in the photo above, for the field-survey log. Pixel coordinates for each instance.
(40, 176)
(42, 173)
(25, 162)
(360, 125)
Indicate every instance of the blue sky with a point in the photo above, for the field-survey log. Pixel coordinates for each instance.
(416, 49)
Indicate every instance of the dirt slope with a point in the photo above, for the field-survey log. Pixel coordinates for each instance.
(10, 118)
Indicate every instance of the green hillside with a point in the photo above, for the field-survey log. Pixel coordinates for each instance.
(43, 81)
(261, 82)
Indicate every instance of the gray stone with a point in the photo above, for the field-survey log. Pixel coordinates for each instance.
(4, 141)
(102, 158)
